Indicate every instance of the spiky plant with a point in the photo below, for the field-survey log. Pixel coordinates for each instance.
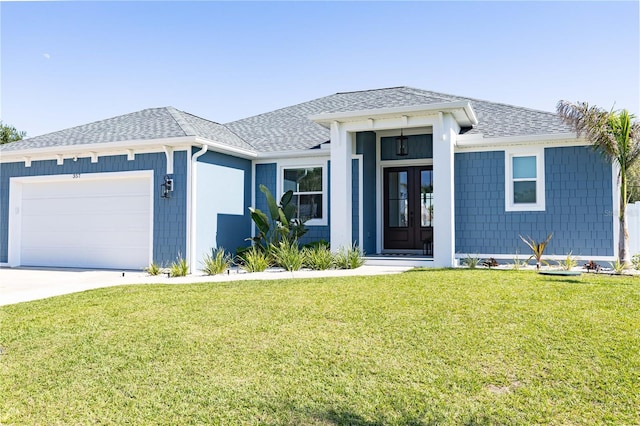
(537, 248)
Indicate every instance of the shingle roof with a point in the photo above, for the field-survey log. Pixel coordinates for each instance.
(148, 124)
(289, 128)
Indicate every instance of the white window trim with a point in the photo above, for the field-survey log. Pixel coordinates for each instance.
(303, 164)
(541, 196)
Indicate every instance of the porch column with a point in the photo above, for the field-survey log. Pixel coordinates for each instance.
(444, 132)
(340, 187)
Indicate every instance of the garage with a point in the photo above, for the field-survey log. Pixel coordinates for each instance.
(93, 220)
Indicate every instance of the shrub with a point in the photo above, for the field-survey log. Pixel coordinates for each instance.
(635, 260)
(318, 257)
(254, 260)
(568, 263)
(287, 255)
(153, 269)
(349, 257)
(471, 261)
(216, 262)
(618, 267)
(179, 268)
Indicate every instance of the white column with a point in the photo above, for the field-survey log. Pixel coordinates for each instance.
(444, 132)
(340, 186)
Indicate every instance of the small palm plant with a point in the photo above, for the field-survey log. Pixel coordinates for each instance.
(537, 248)
(216, 262)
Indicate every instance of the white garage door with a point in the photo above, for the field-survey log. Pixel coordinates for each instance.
(87, 221)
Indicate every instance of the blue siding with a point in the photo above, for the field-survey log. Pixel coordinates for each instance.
(366, 146)
(578, 205)
(223, 196)
(169, 226)
(418, 146)
(355, 201)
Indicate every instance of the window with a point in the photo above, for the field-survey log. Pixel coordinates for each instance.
(307, 184)
(525, 180)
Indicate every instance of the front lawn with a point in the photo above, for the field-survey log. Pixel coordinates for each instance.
(427, 347)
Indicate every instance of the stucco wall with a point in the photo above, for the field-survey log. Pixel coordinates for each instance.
(223, 195)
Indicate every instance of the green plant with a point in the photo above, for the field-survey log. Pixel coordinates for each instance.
(318, 257)
(153, 269)
(635, 260)
(179, 267)
(254, 260)
(537, 248)
(517, 263)
(471, 261)
(618, 266)
(349, 257)
(282, 223)
(287, 255)
(568, 263)
(216, 262)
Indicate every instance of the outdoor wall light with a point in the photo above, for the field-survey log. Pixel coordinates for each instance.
(167, 187)
(401, 145)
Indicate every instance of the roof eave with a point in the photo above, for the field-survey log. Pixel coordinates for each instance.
(461, 110)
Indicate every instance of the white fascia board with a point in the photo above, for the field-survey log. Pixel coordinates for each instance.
(462, 110)
(99, 149)
(479, 142)
(274, 155)
(227, 149)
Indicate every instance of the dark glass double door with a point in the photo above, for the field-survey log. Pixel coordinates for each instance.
(408, 209)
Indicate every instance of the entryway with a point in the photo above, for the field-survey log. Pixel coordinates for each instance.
(408, 209)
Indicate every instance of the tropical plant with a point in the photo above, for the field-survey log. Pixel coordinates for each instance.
(287, 255)
(635, 260)
(318, 257)
(281, 223)
(569, 262)
(216, 262)
(537, 248)
(617, 266)
(349, 257)
(254, 260)
(179, 267)
(153, 269)
(617, 137)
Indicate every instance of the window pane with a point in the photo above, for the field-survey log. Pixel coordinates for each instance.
(524, 192)
(398, 202)
(308, 206)
(524, 167)
(426, 198)
(303, 180)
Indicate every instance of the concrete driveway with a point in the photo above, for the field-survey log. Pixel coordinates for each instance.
(27, 284)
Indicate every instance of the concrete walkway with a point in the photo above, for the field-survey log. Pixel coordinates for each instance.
(26, 284)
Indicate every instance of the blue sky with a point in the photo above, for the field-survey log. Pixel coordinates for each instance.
(70, 63)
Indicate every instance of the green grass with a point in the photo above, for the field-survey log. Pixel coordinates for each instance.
(430, 347)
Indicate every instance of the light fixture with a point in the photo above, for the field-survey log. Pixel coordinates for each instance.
(167, 187)
(401, 145)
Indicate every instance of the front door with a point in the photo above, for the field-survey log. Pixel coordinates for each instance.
(408, 209)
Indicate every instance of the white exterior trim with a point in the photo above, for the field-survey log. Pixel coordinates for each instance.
(462, 111)
(192, 231)
(15, 201)
(541, 196)
(291, 163)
